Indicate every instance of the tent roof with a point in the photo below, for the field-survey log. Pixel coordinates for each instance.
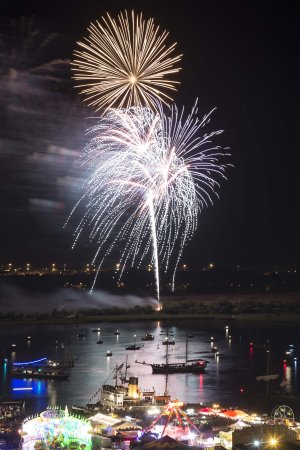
(206, 410)
(234, 413)
(166, 442)
(125, 424)
(239, 425)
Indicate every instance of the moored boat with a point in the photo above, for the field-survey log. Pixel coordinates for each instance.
(192, 367)
(167, 342)
(133, 347)
(64, 363)
(39, 372)
(148, 337)
(189, 366)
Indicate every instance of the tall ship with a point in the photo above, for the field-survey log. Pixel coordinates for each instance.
(189, 366)
(66, 362)
(197, 366)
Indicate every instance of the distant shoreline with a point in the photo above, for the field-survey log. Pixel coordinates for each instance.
(250, 317)
(251, 307)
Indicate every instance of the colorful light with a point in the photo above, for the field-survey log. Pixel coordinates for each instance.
(36, 361)
(55, 427)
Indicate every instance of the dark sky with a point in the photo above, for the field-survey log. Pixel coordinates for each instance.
(242, 57)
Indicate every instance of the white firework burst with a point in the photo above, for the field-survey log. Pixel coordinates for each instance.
(151, 175)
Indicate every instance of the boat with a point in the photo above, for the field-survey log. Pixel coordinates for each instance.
(117, 333)
(99, 342)
(167, 342)
(96, 330)
(189, 366)
(133, 347)
(191, 336)
(39, 372)
(214, 349)
(108, 353)
(148, 337)
(64, 363)
(80, 335)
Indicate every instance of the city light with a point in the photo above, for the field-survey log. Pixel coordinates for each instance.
(256, 443)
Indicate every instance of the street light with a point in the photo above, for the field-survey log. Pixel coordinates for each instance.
(272, 442)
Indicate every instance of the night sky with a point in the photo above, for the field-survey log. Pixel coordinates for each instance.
(242, 57)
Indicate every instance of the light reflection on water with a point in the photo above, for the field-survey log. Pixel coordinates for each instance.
(236, 368)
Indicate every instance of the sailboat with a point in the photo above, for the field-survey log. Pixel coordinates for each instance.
(189, 366)
(65, 363)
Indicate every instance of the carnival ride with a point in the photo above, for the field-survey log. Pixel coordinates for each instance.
(55, 428)
(174, 413)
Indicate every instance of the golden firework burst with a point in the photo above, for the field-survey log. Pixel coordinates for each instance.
(125, 62)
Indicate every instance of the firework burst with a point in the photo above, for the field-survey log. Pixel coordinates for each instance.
(125, 62)
(151, 175)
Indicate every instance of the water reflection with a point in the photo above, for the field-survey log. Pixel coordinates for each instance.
(237, 365)
(4, 378)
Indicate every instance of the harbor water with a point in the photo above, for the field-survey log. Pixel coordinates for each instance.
(229, 379)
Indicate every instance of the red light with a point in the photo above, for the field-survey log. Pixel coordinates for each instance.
(201, 382)
(251, 343)
(241, 390)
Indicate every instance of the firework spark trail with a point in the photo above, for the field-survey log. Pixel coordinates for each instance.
(125, 62)
(151, 175)
(154, 242)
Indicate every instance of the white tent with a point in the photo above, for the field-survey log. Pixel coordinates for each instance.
(239, 425)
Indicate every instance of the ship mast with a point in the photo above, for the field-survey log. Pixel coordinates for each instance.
(126, 367)
(116, 376)
(167, 363)
(166, 384)
(186, 348)
(167, 334)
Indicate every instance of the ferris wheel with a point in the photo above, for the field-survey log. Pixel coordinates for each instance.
(283, 412)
